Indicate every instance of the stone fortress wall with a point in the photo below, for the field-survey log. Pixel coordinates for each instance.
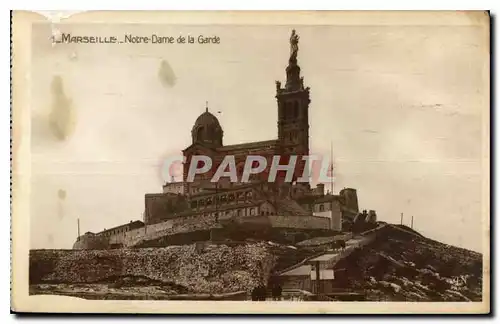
(191, 224)
(326, 213)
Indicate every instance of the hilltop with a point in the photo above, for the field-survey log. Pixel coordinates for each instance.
(396, 264)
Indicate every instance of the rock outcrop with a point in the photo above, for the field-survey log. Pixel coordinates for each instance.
(403, 265)
(197, 267)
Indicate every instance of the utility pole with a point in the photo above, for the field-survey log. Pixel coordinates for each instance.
(331, 167)
(331, 185)
(217, 190)
(401, 218)
(216, 201)
(216, 208)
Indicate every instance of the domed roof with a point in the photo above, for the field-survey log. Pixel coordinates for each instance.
(206, 119)
(207, 130)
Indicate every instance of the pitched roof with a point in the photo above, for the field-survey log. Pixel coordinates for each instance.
(250, 145)
(135, 224)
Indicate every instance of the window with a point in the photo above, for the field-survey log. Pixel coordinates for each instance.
(288, 107)
(321, 208)
(199, 133)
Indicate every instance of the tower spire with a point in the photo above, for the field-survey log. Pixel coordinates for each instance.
(293, 110)
(206, 106)
(293, 79)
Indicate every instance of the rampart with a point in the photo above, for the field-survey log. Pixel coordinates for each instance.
(198, 223)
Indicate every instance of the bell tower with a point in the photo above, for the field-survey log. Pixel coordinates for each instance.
(293, 107)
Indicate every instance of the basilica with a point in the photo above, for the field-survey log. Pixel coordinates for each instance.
(185, 208)
(258, 197)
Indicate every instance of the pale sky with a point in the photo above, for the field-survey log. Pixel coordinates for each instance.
(401, 104)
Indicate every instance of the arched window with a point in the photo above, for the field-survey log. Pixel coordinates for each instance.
(321, 208)
(199, 133)
(287, 110)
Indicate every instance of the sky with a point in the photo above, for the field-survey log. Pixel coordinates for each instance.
(403, 107)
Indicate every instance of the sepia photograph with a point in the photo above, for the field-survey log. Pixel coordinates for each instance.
(303, 162)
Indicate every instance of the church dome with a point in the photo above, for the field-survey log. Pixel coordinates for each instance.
(207, 130)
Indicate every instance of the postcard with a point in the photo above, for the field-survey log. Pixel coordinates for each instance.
(251, 162)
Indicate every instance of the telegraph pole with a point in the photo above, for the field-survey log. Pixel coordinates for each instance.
(331, 185)
(216, 210)
(216, 190)
(331, 167)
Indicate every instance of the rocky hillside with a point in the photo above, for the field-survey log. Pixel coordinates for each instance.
(398, 265)
(184, 269)
(402, 265)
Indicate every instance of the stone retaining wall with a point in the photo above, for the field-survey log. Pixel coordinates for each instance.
(200, 223)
